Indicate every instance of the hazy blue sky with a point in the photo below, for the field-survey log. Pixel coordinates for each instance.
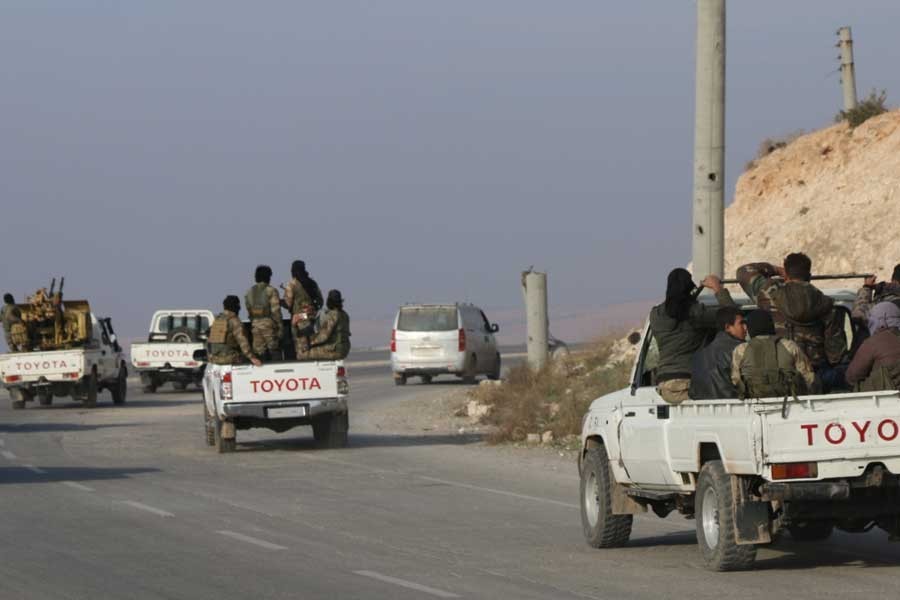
(155, 152)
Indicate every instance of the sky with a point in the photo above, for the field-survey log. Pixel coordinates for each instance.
(154, 153)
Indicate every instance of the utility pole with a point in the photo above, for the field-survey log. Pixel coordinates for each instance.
(848, 71)
(709, 141)
(537, 322)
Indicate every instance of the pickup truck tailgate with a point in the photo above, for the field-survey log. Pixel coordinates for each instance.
(288, 381)
(31, 366)
(853, 428)
(158, 355)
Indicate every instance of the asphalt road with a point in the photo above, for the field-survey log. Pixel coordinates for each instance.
(128, 502)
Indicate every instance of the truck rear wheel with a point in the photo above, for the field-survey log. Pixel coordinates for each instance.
(399, 379)
(179, 385)
(45, 398)
(119, 389)
(19, 397)
(209, 425)
(90, 392)
(811, 531)
(602, 529)
(330, 431)
(715, 522)
(223, 445)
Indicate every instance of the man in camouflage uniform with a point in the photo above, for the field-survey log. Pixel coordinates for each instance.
(871, 293)
(264, 308)
(304, 299)
(227, 342)
(332, 341)
(768, 366)
(13, 326)
(802, 313)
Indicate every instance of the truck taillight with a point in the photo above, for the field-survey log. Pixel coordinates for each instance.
(191, 363)
(807, 470)
(13, 378)
(341, 372)
(462, 339)
(143, 364)
(72, 375)
(393, 340)
(225, 388)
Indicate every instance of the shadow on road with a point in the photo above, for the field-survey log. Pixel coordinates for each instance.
(676, 538)
(10, 475)
(839, 551)
(51, 427)
(360, 440)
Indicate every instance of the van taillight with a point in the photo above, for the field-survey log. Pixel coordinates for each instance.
(393, 340)
(462, 339)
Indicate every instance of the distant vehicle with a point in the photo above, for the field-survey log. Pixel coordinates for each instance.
(81, 372)
(747, 470)
(277, 395)
(168, 355)
(437, 339)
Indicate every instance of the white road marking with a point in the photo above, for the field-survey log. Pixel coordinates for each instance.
(252, 540)
(34, 468)
(150, 509)
(407, 584)
(469, 486)
(8, 455)
(77, 486)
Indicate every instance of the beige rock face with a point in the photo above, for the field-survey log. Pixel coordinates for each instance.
(833, 194)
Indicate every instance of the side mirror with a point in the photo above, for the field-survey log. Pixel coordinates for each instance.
(201, 355)
(494, 328)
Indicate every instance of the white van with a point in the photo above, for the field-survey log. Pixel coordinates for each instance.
(435, 339)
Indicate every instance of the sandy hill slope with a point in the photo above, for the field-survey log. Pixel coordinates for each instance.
(833, 194)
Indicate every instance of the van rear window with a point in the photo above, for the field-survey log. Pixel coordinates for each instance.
(429, 318)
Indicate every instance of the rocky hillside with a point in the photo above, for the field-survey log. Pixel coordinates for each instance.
(833, 194)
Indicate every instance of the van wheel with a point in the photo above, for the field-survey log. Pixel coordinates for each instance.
(494, 375)
(330, 431)
(119, 389)
(90, 392)
(602, 529)
(223, 445)
(469, 373)
(811, 531)
(715, 522)
(399, 379)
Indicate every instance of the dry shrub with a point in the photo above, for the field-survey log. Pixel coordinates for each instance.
(871, 106)
(554, 398)
(770, 145)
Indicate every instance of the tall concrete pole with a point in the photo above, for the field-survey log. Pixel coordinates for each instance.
(709, 141)
(537, 322)
(848, 71)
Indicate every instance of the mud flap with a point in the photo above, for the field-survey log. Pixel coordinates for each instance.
(622, 503)
(228, 430)
(751, 518)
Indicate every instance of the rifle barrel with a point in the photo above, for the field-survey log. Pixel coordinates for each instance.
(823, 277)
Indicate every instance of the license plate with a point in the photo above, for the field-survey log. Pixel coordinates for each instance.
(286, 411)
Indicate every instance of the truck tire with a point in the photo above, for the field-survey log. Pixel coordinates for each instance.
(90, 393)
(494, 375)
(209, 425)
(19, 396)
(119, 389)
(45, 398)
(811, 531)
(426, 379)
(714, 512)
(179, 385)
(330, 431)
(223, 445)
(399, 379)
(602, 529)
(182, 335)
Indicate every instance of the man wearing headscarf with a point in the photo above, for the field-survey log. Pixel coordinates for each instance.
(303, 298)
(332, 341)
(227, 342)
(872, 292)
(880, 350)
(679, 325)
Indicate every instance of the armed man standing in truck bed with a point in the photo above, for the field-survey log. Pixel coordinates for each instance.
(13, 326)
(801, 312)
(264, 309)
(303, 298)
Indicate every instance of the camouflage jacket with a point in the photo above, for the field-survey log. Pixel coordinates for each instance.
(867, 297)
(227, 340)
(10, 314)
(262, 302)
(801, 363)
(298, 300)
(334, 331)
(800, 310)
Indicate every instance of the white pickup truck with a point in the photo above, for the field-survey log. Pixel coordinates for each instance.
(168, 355)
(80, 372)
(745, 470)
(277, 396)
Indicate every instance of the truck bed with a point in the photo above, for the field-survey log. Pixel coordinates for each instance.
(55, 365)
(158, 355)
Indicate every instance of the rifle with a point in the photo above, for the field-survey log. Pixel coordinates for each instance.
(700, 287)
(52, 286)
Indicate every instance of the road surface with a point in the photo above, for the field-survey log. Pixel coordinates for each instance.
(129, 502)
